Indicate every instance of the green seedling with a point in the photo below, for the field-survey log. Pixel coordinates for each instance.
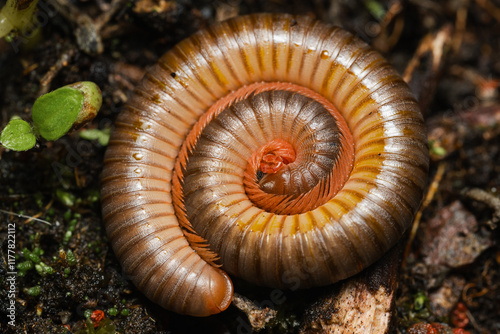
(69, 231)
(24, 266)
(18, 135)
(71, 258)
(87, 313)
(43, 269)
(436, 150)
(31, 256)
(54, 114)
(375, 8)
(112, 311)
(106, 326)
(16, 15)
(32, 260)
(50, 124)
(66, 198)
(421, 307)
(102, 136)
(420, 301)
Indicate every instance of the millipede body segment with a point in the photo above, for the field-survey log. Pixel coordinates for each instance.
(270, 147)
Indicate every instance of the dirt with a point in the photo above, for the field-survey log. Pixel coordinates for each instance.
(447, 50)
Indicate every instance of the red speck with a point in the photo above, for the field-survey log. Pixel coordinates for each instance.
(96, 317)
(460, 331)
(434, 328)
(459, 316)
(422, 328)
(438, 327)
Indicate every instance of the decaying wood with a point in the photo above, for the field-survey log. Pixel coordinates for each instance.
(257, 316)
(362, 304)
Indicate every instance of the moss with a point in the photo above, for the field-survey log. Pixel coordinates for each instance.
(33, 291)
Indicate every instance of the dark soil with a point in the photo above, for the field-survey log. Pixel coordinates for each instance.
(451, 272)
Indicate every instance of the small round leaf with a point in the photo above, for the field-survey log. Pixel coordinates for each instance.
(54, 113)
(18, 135)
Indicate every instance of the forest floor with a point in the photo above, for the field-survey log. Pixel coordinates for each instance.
(446, 50)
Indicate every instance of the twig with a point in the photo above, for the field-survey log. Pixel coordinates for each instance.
(30, 218)
(435, 43)
(385, 40)
(460, 26)
(49, 76)
(490, 8)
(488, 199)
(87, 31)
(431, 192)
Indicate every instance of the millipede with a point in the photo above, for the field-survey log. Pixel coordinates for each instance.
(270, 147)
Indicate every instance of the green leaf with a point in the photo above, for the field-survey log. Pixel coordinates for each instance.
(436, 149)
(91, 104)
(439, 151)
(95, 134)
(66, 198)
(375, 8)
(18, 135)
(54, 113)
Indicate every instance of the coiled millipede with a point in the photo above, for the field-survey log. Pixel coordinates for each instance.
(271, 147)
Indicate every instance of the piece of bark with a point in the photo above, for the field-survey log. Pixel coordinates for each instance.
(362, 304)
(257, 316)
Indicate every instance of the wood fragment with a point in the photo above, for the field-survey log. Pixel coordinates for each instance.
(49, 76)
(362, 304)
(257, 316)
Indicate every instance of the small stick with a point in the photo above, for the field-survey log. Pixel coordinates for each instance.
(431, 192)
(488, 199)
(49, 76)
(30, 218)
